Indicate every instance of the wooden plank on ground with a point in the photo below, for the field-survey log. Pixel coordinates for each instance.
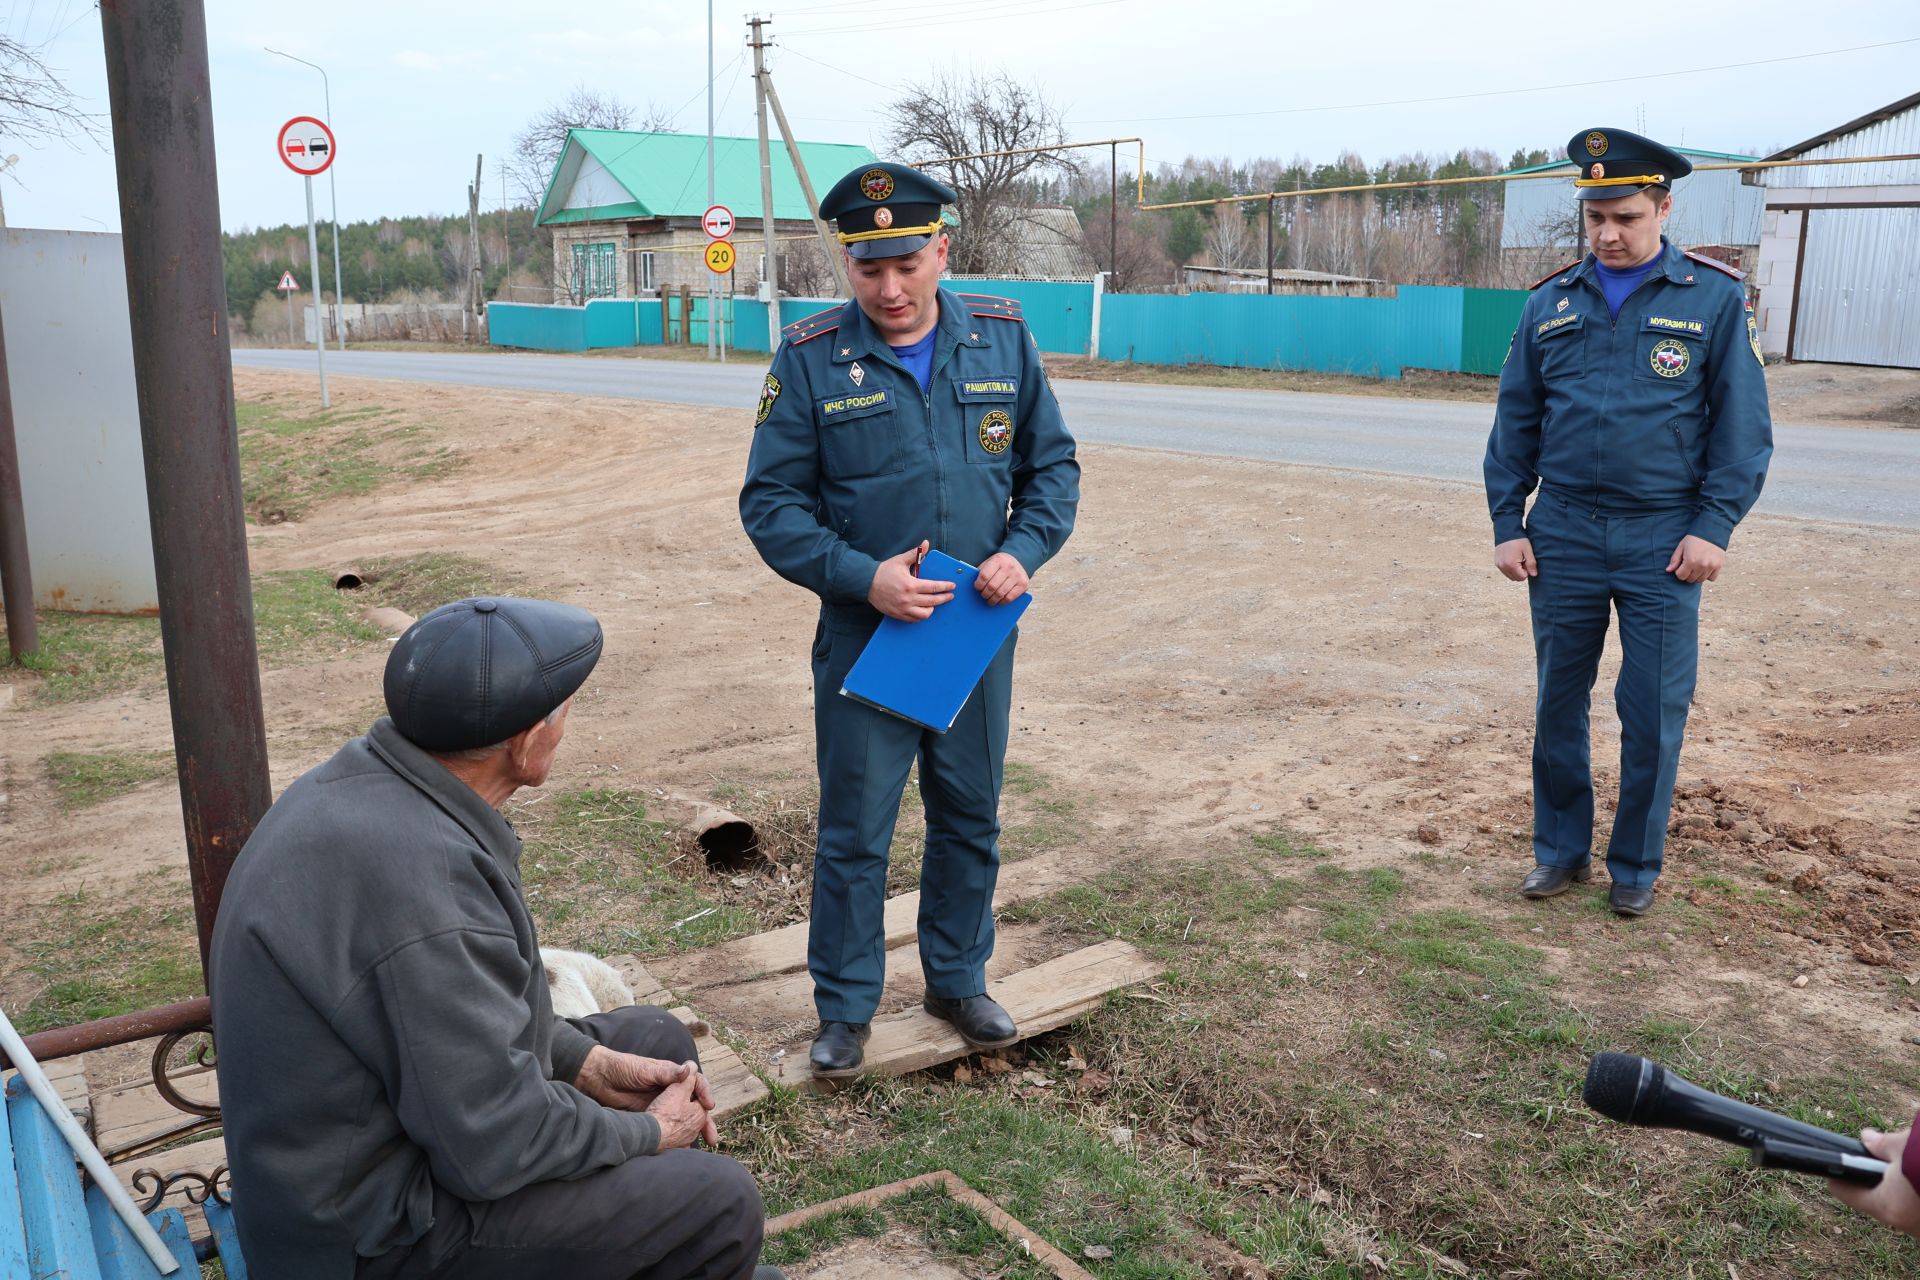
(647, 989)
(785, 950)
(733, 1082)
(133, 1112)
(1040, 999)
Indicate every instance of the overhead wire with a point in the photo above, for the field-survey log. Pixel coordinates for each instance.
(1026, 8)
(1495, 93)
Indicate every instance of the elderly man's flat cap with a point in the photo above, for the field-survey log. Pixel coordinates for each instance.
(476, 672)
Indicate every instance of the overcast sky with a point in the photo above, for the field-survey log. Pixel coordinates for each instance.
(420, 86)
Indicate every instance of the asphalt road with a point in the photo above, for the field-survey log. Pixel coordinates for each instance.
(1856, 475)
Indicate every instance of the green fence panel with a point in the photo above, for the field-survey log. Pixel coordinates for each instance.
(1487, 321)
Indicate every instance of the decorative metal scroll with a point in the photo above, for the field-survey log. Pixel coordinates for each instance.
(150, 1187)
(170, 1069)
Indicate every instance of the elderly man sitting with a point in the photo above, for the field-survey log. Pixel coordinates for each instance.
(398, 1097)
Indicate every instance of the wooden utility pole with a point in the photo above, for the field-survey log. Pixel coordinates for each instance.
(470, 322)
(828, 245)
(771, 274)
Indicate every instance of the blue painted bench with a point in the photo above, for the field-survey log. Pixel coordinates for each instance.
(50, 1226)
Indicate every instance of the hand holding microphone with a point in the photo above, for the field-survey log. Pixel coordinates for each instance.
(1634, 1090)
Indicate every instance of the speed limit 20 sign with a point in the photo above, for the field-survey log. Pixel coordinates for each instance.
(720, 256)
(306, 144)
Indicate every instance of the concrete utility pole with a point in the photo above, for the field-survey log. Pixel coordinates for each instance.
(16, 574)
(770, 277)
(828, 245)
(475, 277)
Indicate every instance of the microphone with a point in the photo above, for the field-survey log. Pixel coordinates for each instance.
(1634, 1090)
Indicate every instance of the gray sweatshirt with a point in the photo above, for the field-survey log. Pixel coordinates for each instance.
(382, 1018)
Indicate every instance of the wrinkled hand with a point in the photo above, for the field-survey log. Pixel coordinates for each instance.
(898, 594)
(684, 1110)
(1894, 1201)
(629, 1082)
(1515, 559)
(1002, 579)
(1696, 560)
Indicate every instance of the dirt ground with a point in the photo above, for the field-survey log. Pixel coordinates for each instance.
(1224, 649)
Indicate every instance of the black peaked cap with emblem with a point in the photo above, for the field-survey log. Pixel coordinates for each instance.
(885, 210)
(478, 671)
(1612, 163)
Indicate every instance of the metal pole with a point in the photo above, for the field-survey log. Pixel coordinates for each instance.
(293, 337)
(319, 328)
(771, 275)
(157, 88)
(836, 257)
(1113, 206)
(1269, 246)
(333, 194)
(713, 281)
(16, 571)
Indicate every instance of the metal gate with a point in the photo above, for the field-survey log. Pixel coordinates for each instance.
(1859, 295)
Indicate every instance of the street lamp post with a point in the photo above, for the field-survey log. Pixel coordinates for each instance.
(333, 194)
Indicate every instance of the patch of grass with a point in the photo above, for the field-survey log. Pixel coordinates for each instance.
(85, 655)
(291, 461)
(418, 584)
(83, 779)
(1423, 384)
(824, 1232)
(298, 611)
(1282, 845)
(602, 876)
(95, 963)
(1036, 816)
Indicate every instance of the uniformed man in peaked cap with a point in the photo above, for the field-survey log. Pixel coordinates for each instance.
(911, 417)
(1633, 396)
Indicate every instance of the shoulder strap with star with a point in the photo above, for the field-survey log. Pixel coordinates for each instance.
(813, 326)
(1555, 272)
(983, 304)
(1715, 263)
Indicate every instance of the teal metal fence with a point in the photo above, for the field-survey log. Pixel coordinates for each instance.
(1421, 327)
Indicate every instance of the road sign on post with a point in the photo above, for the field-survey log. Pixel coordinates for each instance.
(306, 146)
(287, 283)
(717, 222)
(720, 257)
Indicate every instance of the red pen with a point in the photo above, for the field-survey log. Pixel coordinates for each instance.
(918, 556)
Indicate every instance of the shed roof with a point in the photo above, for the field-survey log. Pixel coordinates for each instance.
(613, 173)
(1852, 126)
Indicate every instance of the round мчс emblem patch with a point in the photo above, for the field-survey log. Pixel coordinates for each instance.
(1670, 357)
(876, 184)
(1596, 143)
(996, 432)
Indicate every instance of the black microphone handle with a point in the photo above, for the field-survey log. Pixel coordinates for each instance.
(1681, 1105)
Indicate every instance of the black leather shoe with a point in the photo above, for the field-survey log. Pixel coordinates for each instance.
(980, 1022)
(839, 1049)
(1629, 902)
(1544, 882)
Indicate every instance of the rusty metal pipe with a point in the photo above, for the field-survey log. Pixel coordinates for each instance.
(16, 574)
(67, 1042)
(162, 111)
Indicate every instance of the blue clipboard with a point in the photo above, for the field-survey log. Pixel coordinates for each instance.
(923, 671)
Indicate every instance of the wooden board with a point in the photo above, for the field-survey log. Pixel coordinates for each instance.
(133, 1112)
(1040, 999)
(785, 950)
(733, 1082)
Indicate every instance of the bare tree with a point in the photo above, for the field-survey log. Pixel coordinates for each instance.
(34, 105)
(536, 148)
(1230, 241)
(955, 115)
(1133, 255)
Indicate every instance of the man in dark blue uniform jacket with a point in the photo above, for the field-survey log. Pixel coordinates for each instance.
(911, 417)
(1634, 397)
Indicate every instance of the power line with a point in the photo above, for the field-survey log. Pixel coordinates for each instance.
(1495, 93)
(1026, 9)
(891, 88)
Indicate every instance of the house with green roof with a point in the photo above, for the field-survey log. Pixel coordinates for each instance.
(1712, 211)
(625, 211)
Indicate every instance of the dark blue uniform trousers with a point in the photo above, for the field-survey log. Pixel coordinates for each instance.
(1591, 562)
(864, 756)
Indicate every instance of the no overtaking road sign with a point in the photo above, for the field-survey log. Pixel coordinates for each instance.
(717, 222)
(306, 144)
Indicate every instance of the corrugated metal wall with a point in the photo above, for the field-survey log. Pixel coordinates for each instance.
(1860, 288)
(1895, 136)
(1708, 208)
